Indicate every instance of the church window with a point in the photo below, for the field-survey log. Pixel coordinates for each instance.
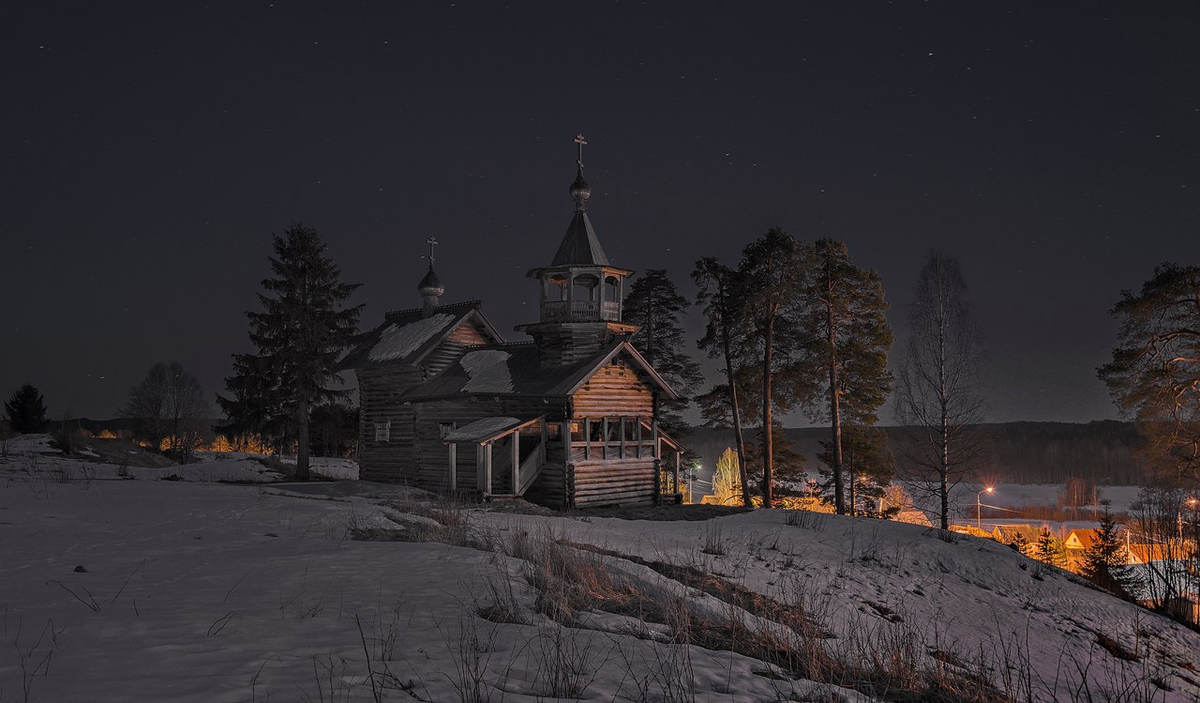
(383, 430)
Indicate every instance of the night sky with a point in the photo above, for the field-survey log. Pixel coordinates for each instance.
(148, 151)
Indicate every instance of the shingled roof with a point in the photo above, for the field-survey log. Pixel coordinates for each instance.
(515, 369)
(579, 246)
(407, 335)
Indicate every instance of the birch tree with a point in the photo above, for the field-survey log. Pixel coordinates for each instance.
(938, 389)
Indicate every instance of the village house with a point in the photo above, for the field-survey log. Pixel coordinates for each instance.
(568, 419)
(1020, 536)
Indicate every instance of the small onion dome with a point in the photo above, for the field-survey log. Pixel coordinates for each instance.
(580, 190)
(431, 285)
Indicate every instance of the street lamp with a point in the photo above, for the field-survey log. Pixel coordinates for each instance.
(979, 507)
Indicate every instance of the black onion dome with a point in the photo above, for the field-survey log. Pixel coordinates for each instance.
(431, 284)
(580, 190)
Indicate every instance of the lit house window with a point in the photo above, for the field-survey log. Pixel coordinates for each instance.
(383, 430)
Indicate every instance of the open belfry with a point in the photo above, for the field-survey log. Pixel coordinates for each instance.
(566, 420)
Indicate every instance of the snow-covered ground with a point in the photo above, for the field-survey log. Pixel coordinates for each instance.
(118, 590)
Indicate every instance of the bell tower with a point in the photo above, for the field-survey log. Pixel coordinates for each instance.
(581, 293)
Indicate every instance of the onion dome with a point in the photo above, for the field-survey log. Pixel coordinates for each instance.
(580, 190)
(431, 285)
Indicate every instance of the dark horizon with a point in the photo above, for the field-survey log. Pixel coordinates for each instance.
(153, 149)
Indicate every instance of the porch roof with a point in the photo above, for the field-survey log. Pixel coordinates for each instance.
(488, 429)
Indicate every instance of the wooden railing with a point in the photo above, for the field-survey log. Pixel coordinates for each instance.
(528, 471)
(580, 310)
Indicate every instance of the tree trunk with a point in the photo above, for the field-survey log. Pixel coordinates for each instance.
(835, 411)
(302, 473)
(738, 438)
(767, 443)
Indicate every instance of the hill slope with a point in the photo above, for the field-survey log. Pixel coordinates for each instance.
(193, 591)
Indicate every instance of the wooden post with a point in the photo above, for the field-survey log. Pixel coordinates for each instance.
(453, 466)
(621, 424)
(637, 437)
(657, 450)
(678, 455)
(487, 469)
(516, 462)
(587, 438)
(604, 438)
(479, 475)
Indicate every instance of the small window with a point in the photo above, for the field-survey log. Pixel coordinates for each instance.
(445, 428)
(383, 430)
(577, 431)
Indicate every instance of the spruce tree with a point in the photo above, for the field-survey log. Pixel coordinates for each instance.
(656, 307)
(26, 410)
(299, 334)
(1105, 560)
(1050, 549)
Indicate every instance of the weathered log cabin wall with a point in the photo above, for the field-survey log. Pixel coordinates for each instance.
(452, 348)
(616, 470)
(432, 455)
(380, 388)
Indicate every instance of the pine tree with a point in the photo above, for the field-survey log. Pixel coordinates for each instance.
(303, 327)
(656, 307)
(845, 321)
(724, 332)
(1154, 375)
(866, 462)
(26, 410)
(771, 286)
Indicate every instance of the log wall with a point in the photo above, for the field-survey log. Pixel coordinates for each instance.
(613, 391)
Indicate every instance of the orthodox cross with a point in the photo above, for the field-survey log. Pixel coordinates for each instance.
(580, 141)
(432, 242)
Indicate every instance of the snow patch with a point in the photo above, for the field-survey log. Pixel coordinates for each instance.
(488, 372)
(397, 342)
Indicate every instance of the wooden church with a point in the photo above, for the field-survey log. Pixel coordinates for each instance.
(566, 420)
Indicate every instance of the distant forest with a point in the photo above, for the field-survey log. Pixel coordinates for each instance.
(1020, 452)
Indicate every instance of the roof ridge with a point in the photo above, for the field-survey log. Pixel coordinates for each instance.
(468, 303)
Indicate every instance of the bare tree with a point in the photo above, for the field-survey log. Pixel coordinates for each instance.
(938, 390)
(169, 404)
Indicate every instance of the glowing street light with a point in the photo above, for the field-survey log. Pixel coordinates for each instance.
(979, 507)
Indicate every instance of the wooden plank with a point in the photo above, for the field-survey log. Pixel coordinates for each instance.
(487, 469)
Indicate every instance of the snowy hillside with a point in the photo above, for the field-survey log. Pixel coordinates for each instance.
(140, 589)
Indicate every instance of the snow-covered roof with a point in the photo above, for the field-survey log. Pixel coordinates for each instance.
(487, 371)
(408, 335)
(485, 429)
(398, 341)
